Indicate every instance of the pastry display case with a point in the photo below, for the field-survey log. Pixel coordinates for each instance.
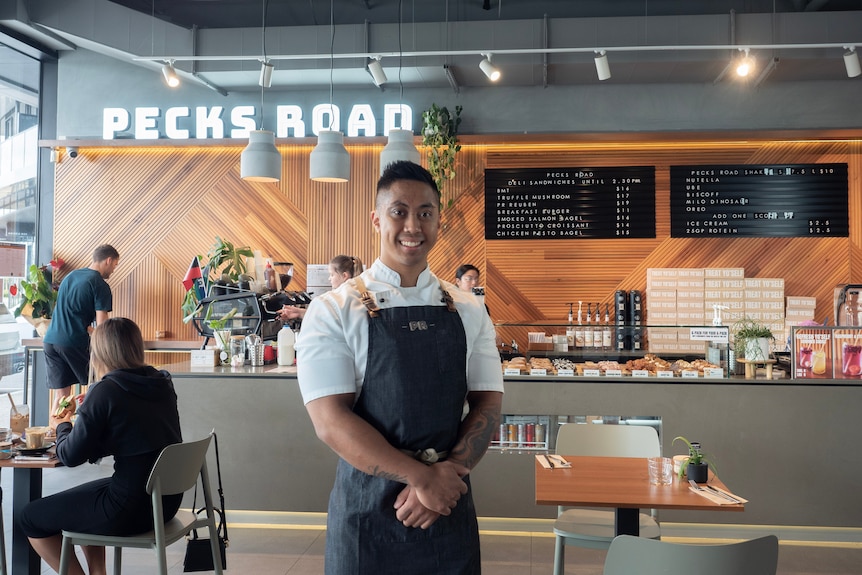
(560, 350)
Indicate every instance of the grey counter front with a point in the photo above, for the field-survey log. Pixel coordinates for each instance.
(788, 447)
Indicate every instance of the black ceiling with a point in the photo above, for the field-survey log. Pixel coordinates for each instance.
(249, 13)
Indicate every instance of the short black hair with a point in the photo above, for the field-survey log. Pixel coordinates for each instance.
(464, 269)
(104, 252)
(405, 170)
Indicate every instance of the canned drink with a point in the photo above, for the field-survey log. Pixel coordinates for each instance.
(513, 435)
(503, 435)
(522, 435)
(540, 435)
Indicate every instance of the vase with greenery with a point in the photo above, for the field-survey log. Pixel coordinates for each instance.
(38, 295)
(696, 465)
(751, 339)
(440, 137)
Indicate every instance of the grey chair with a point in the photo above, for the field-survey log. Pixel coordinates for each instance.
(634, 555)
(594, 529)
(176, 471)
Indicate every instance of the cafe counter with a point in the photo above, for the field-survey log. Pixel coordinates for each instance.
(785, 445)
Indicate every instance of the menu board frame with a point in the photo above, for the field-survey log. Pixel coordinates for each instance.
(570, 203)
(759, 200)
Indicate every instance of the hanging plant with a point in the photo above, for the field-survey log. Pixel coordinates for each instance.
(440, 136)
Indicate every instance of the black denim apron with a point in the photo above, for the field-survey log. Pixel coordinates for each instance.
(413, 393)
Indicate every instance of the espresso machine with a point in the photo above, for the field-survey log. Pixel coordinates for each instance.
(255, 313)
(848, 305)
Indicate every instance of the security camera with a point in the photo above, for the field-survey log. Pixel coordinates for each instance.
(73, 151)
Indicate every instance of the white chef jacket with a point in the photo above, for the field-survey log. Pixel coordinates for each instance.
(332, 349)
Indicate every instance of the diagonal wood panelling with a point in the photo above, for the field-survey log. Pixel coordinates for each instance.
(160, 206)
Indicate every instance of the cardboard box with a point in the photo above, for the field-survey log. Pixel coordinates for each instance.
(764, 283)
(690, 273)
(800, 301)
(799, 314)
(653, 295)
(726, 273)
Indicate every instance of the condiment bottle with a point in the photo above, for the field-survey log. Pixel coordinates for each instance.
(269, 276)
(286, 341)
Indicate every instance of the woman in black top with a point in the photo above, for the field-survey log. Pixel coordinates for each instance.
(130, 413)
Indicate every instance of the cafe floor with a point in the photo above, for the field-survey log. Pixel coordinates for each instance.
(263, 549)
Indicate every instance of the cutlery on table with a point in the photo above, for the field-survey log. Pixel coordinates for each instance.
(550, 463)
(712, 491)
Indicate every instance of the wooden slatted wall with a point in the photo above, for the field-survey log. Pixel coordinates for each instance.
(160, 206)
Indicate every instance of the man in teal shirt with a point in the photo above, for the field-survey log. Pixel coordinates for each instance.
(84, 297)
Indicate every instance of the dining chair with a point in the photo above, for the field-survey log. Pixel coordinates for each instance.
(591, 528)
(629, 555)
(175, 471)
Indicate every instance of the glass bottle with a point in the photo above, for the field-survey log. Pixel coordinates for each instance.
(607, 333)
(588, 329)
(597, 329)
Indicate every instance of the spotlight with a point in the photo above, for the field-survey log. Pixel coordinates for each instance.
(490, 70)
(375, 68)
(851, 62)
(745, 65)
(603, 69)
(170, 75)
(72, 151)
(265, 80)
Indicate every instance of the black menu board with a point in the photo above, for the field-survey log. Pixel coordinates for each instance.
(795, 200)
(568, 203)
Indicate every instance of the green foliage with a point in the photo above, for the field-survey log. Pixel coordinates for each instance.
(224, 258)
(695, 456)
(440, 136)
(221, 323)
(38, 292)
(747, 329)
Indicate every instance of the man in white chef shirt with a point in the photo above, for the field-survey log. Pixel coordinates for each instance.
(384, 380)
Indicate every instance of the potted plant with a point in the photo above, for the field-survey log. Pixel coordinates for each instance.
(225, 259)
(38, 295)
(440, 135)
(696, 464)
(751, 339)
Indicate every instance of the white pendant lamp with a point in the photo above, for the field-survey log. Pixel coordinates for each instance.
(603, 68)
(329, 161)
(399, 147)
(851, 62)
(260, 160)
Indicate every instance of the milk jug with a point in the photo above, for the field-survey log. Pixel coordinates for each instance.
(286, 341)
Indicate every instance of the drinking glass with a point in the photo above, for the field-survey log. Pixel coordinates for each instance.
(660, 470)
(19, 419)
(805, 357)
(851, 356)
(818, 365)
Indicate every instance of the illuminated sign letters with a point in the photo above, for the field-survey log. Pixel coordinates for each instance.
(182, 122)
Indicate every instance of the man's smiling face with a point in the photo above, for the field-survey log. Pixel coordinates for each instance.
(407, 216)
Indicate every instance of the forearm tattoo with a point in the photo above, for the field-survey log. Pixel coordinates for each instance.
(376, 471)
(480, 426)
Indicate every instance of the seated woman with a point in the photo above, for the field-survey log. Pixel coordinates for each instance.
(341, 269)
(130, 413)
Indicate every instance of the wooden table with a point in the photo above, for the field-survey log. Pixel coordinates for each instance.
(26, 486)
(621, 483)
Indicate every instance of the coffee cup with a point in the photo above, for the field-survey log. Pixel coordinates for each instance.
(35, 437)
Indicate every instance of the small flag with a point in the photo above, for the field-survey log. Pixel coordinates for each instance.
(194, 279)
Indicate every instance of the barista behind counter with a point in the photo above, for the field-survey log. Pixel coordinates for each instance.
(341, 269)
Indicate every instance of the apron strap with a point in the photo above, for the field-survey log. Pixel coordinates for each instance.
(366, 298)
(447, 299)
(373, 309)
